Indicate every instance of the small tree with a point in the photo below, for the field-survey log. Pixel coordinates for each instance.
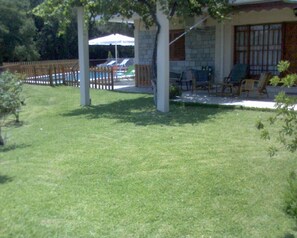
(10, 98)
(286, 114)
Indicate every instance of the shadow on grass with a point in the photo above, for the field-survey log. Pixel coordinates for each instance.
(13, 123)
(288, 235)
(142, 112)
(5, 179)
(7, 148)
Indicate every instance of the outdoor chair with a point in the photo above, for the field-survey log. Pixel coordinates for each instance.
(174, 78)
(108, 63)
(111, 63)
(237, 74)
(201, 79)
(123, 63)
(256, 86)
(186, 78)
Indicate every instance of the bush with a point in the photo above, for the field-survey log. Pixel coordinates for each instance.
(174, 91)
(286, 120)
(10, 97)
(285, 115)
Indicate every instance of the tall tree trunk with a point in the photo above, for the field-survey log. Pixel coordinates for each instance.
(1, 139)
(154, 64)
(152, 9)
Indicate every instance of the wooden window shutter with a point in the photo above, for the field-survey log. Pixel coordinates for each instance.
(177, 49)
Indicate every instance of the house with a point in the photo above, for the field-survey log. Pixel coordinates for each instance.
(258, 33)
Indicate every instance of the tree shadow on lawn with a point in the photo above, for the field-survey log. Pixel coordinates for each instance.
(7, 148)
(5, 179)
(142, 112)
(288, 235)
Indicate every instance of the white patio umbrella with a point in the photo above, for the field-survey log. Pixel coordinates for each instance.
(113, 39)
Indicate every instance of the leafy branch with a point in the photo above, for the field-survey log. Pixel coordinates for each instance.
(285, 117)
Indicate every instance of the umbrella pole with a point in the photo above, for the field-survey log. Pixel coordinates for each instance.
(116, 57)
(116, 53)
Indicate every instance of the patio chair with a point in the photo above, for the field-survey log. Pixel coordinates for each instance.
(108, 63)
(201, 80)
(174, 78)
(237, 74)
(186, 78)
(256, 86)
(123, 66)
(111, 63)
(123, 63)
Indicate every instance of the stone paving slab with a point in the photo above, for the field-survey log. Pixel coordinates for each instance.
(204, 97)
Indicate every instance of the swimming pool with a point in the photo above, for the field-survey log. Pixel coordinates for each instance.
(97, 76)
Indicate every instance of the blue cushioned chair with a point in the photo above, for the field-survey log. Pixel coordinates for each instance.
(237, 74)
(202, 79)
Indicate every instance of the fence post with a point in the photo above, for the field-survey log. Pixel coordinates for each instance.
(55, 72)
(50, 75)
(63, 75)
(142, 75)
(35, 75)
(112, 80)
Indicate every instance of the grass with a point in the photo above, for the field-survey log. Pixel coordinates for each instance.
(121, 169)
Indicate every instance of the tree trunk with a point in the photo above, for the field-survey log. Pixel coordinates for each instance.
(1, 139)
(152, 9)
(154, 64)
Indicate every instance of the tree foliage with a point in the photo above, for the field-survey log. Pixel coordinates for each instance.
(146, 9)
(17, 32)
(126, 8)
(10, 97)
(286, 115)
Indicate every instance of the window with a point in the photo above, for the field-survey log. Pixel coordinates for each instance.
(177, 49)
(259, 46)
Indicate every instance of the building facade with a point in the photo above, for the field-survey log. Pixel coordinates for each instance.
(257, 33)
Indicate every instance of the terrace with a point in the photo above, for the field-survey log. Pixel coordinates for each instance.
(63, 72)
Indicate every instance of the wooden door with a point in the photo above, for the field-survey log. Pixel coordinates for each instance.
(290, 45)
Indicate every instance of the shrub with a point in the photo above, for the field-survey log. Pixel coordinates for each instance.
(10, 97)
(286, 120)
(286, 115)
(174, 91)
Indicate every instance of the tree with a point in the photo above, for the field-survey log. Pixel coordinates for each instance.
(53, 45)
(17, 32)
(10, 98)
(126, 8)
(286, 116)
(285, 120)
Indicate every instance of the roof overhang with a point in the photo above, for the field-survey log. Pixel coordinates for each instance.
(248, 2)
(253, 5)
(121, 19)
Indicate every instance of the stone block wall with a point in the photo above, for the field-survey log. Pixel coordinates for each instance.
(199, 47)
(146, 46)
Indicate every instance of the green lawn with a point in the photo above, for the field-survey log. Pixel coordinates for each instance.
(121, 169)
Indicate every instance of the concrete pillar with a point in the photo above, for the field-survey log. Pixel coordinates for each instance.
(83, 53)
(163, 62)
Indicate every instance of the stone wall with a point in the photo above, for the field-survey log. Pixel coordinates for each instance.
(146, 46)
(199, 46)
(200, 50)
